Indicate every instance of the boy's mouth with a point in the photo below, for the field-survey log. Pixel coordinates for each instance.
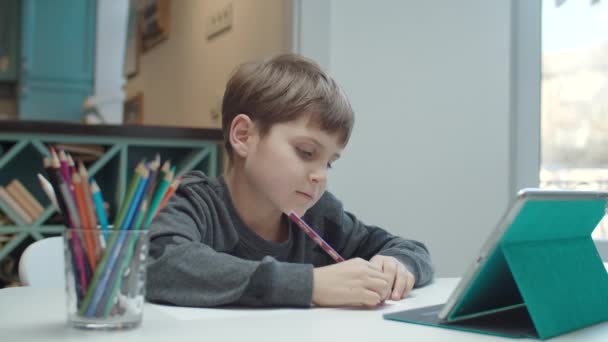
(304, 194)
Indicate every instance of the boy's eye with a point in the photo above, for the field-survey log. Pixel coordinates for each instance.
(304, 153)
(309, 155)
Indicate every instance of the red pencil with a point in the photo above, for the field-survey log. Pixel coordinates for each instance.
(89, 239)
(168, 194)
(315, 237)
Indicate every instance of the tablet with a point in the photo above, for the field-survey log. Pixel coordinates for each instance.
(487, 261)
(488, 293)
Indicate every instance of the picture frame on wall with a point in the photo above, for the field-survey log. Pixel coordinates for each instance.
(133, 110)
(133, 45)
(155, 22)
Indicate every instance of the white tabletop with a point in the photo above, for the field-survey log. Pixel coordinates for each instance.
(34, 314)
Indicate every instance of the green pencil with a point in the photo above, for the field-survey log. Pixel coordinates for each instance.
(124, 206)
(158, 196)
(139, 171)
(125, 263)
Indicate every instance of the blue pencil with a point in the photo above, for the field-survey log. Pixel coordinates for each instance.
(100, 211)
(139, 194)
(102, 271)
(109, 292)
(116, 248)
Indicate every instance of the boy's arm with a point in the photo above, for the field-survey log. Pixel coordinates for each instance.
(360, 240)
(352, 238)
(185, 271)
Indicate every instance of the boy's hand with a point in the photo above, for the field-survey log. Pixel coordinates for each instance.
(401, 280)
(354, 282)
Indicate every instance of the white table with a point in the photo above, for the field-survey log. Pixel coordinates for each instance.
(34, 314)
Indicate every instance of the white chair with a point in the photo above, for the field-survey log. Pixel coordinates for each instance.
(42, 264)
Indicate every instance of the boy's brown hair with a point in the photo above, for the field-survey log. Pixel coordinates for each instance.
(281, 89)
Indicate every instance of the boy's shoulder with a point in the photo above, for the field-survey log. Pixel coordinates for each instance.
(202, 191)
(199, 182)
(196, 177)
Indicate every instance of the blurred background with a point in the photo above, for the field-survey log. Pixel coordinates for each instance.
(458, 104)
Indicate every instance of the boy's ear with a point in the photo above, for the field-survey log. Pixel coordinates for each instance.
(242, 129)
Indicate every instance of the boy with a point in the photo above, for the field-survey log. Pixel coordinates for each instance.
(227, 241)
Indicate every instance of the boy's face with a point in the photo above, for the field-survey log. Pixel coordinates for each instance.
(288, 167)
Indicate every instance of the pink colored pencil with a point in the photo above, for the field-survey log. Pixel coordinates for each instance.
(65, 168)
(315, 237)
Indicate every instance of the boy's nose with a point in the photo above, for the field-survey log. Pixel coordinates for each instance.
(318, 176)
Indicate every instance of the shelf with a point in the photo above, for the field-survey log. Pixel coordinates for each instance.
(24, 144)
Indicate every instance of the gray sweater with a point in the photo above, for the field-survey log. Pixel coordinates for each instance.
(202, 254)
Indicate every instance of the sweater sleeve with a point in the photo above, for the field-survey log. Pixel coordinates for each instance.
(189, 264)
(354, 239)
(366, 241)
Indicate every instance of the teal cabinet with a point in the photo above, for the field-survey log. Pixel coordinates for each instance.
(51, 100)
(9, 39)
(57, 63)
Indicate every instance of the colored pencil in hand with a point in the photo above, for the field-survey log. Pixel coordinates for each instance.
(315, 237)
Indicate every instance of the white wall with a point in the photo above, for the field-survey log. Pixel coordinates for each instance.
(184, 76)
(433, 153)
(108, 95)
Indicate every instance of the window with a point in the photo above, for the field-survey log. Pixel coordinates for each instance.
(574, 97)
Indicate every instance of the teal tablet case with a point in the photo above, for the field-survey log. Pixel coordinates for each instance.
(544, 279)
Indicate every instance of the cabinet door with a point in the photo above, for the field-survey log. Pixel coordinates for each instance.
(57, 65)
(46, 100)
(58, 39)
(9, 38)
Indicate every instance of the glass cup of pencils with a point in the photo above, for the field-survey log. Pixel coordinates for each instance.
(106, 264)
(105, 277)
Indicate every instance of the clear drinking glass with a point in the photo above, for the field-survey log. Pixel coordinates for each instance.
(105, 277)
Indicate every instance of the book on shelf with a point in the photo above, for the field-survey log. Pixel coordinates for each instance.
(12, 204)
(84, 152)
(25, 199)
(30, 199)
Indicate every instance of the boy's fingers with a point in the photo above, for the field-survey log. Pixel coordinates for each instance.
(411, 280)
(370, 298)
(378, 285)
(385, 285)
(391, 270)
(376, 272)
(401, 283)
(376, 264)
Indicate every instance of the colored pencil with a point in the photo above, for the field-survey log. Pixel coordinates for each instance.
(79, 240)
(126, 202)
(90, 210)
(158, 196)
(170, 191)
(142, 203)
(137, 198)
(86, 190)
(55, 176)
(99, 209)
(102, 276)
(65, 169)
(49, 191)
(87, 229)
(125, 250)
(100, 259)
(315, 237)
(154, 176)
